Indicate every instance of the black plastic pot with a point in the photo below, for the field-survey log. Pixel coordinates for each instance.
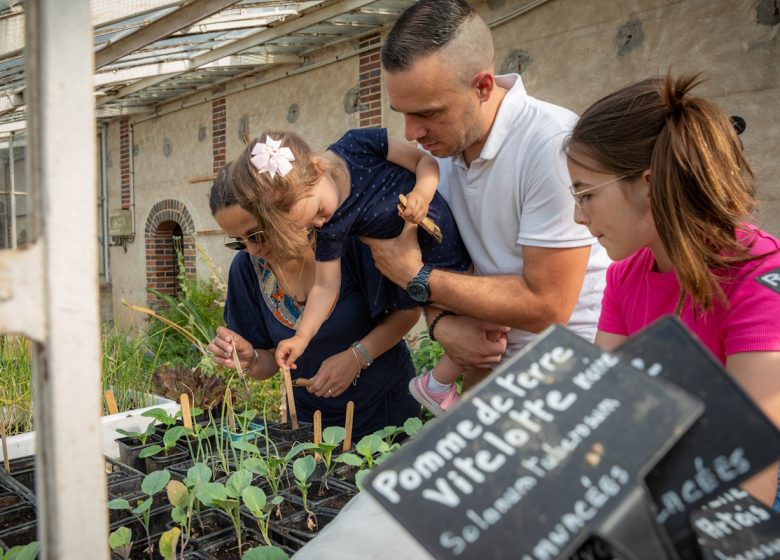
(10, 488)
(19, 536)
(284, 432)
(10, 518)
(130, 448)
(295, 531)
(158, 519)
(226, 547)
(210, 525)
(165, 458)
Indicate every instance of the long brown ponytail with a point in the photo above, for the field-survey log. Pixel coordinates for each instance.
(701, 185)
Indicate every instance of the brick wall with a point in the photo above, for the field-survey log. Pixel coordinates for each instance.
(369, 82)
(166, 218)
(124, 162)
(218, 133)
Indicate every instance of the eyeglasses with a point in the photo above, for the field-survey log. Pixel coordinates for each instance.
(578, 195)
(239, 244)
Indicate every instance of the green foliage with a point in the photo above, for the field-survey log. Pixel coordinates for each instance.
(26, 552)
(425, 352)
(121, 542)
(265, 553)
(152, 483)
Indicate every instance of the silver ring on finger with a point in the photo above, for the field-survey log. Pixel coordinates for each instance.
(330, 392)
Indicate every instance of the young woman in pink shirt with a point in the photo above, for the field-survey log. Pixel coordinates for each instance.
(660, 178)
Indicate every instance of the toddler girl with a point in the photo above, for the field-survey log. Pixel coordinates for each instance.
(351, 189)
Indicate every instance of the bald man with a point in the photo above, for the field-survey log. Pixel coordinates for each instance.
(504, 174)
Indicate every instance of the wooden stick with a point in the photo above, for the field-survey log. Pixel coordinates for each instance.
(231, 417)
(317, 432)
(111, 402)
(186, 415)
(301, 382)
(283, 403)
(427, 224)
(348, 425)
(6, 462)
(290, 398)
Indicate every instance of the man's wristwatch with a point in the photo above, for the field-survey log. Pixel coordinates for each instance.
(417, 287)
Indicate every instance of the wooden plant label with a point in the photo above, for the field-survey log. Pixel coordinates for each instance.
(548, 450)
(290, 398)
(317, 432)
(111, 402)
(348, 426)
(186, 415)
(728, 444)
(6, 462)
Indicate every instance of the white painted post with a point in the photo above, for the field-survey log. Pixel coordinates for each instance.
(71, 482)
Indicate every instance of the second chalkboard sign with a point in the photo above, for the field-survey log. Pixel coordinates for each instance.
(732, 440)
(548, 450)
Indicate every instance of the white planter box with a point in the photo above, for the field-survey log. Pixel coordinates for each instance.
(23, 445)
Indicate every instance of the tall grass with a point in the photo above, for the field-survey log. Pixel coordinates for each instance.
(15, 384)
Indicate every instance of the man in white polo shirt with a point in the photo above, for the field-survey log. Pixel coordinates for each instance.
(504, 175)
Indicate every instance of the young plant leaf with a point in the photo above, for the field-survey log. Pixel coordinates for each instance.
(349, 459)
(155, 481)
(178, 495)
(168, 541)
(150, 451)
(119, 503)
(265, 553)
(303, 468)
(254, 499)
(142, 507)
(121, 541)
(211, 491)
(26, 552)
(237, 482)
(333, 435)
(412, 426)
(199, 472)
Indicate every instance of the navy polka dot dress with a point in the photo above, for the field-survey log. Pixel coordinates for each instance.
(370, 210)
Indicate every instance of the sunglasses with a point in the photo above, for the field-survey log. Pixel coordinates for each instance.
(256, 237)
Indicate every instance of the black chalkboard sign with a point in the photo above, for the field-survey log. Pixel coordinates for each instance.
(734, 526)
(732, 440)
(546, 451)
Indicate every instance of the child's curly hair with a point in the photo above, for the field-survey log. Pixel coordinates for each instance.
(270, 200)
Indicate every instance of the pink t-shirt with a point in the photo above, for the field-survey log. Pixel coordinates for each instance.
(636, 296)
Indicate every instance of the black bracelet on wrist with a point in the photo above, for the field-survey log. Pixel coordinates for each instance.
(436, 319)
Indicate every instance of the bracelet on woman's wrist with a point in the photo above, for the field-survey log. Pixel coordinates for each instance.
(358, 347)
(436, 319)
(248, 368)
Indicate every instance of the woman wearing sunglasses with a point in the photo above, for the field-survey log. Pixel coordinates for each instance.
(357, 355)
(660, 178)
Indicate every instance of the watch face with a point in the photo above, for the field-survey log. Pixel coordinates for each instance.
(418, 292)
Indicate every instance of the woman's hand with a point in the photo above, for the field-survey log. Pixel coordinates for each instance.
(222, 348)
(335, 375)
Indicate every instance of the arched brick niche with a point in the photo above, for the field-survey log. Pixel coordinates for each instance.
(169, 227)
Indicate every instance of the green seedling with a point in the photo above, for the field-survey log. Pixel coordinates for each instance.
(332, 438)
(265, 553)
(121, 541)
(227, 497)
(26, 552)
(303, 468)
(170, 438)
(272, 467)
(152, 484)
(140, 436)
(369, 450)
(258, 505)
(183, 497)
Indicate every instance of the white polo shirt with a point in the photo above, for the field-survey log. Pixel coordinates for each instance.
(516, 194)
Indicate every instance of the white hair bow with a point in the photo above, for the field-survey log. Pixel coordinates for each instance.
(272, 158)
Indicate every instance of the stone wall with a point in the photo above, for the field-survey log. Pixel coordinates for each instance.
(569, 52)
